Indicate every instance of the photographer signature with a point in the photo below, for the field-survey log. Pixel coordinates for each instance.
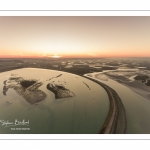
(15, 123)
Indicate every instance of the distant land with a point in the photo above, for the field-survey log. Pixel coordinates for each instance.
(78, 66)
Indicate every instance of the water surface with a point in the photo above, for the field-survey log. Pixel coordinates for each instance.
(83, 113)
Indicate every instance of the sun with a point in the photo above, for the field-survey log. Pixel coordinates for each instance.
(56, 56)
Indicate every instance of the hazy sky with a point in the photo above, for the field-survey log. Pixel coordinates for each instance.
(74, 36)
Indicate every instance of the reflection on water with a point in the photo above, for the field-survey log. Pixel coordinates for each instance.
(85, 112)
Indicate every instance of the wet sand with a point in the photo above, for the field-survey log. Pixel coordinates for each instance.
(138, 87)
(115, 122)
(136, 107)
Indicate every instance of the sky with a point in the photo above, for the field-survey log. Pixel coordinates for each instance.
(87, 36)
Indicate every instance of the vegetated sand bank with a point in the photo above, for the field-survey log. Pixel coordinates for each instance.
(27, 88)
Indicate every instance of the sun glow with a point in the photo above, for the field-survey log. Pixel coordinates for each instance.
(55, 56)
(74, 37)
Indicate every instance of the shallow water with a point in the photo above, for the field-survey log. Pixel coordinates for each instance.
(83, 113)
(137, 108)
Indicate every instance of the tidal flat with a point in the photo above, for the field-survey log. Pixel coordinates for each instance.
(136, 107)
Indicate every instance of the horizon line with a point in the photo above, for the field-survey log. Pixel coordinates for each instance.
(72, 57)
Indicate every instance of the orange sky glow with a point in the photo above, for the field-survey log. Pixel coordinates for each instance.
(74, 37)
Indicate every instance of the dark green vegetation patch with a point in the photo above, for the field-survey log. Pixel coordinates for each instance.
(141, 77)
(27, 83)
